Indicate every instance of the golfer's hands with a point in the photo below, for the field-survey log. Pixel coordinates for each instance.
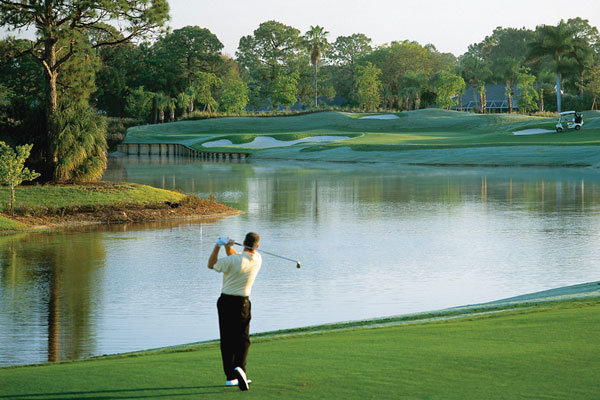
(230, 243)
(222, 240)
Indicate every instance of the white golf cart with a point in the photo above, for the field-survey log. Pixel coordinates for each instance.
(572, 119)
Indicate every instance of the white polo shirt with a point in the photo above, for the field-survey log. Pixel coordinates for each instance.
(239, 272)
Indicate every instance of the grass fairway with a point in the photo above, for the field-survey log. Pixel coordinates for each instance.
(548, 351)
(443, 133)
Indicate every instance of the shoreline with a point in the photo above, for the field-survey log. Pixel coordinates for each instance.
(91, 223)
(546, 351)
(561, 295)
(101, 210)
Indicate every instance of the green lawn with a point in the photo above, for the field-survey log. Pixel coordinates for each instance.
(58, 196)
(548, 351)
(6, 224)
(370, 139)
(41, 199)
(429, 127)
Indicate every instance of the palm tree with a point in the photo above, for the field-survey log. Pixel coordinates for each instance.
(79, 143)
(316, 41)
(411, 84)
(475, 70)
(162, 102)
(558, 42)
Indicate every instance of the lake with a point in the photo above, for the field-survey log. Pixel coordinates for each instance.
(374, 240)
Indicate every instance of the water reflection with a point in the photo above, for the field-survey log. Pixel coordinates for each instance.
(48, 288)
(295, 188)
(374, 240)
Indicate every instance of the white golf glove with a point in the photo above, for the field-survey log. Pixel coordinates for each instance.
(222, 240)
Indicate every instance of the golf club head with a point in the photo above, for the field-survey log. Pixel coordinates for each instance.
(298, 264)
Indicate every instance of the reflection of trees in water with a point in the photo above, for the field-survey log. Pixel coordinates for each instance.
(58, 272)
(116, 171)
(175, 173)
(283, 188)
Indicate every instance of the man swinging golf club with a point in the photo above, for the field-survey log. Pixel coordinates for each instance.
(239, 272)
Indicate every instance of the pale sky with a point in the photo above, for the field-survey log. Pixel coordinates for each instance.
(449, 25)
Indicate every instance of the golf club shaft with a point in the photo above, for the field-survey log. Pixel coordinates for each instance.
(271, 254)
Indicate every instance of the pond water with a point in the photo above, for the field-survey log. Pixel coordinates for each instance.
(374, 240)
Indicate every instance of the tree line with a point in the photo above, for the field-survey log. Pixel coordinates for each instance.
(81, 73)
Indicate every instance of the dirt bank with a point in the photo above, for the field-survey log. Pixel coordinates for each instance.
(190, 207)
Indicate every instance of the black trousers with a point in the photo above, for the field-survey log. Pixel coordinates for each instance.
(234, 327)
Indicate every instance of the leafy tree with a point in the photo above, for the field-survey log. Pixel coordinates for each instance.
(593, 84)
(448, 86)
(234, 94)
(273, 47)
(184, 53)
(589, 51)
(12, 168)
(344, 54)
(285, 90)
(317, 44)
(400, 58)
(504, 51)
(528, 100)
(368, 86)
(122, 70)
(139, 104)
(63, 22)
(22, 76)
(204, 84)
(558, 43)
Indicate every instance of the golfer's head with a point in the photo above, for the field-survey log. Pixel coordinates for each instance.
(251, 241)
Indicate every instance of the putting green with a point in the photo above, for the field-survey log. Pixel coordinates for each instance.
(544, 351)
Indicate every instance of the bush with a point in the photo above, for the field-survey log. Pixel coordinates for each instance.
(576, 103)
(116, 130)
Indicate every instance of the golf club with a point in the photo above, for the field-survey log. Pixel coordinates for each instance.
(275, 255)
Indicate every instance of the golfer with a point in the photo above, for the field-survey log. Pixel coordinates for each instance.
(239, 272)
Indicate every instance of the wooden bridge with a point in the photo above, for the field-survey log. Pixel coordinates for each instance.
(178, 150)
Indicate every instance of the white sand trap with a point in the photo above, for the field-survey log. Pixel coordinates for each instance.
(266, 142)
(382, 116)
(532, 131)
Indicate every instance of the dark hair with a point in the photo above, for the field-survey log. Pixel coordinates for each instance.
(251, 240)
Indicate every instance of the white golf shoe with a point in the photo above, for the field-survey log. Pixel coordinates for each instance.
(242, 380)
(234, 382)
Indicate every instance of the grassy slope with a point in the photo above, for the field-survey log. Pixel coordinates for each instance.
(550, 351)
(50, 196)
(87, 195)
(423, 128)
(448, 137)
(6, 224)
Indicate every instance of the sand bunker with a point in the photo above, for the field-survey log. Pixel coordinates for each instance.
(532, 131)
(382, 116)
(266, 142)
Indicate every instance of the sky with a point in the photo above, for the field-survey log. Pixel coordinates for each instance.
(449, 25)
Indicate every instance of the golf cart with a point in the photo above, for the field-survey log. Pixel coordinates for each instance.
(573, 119)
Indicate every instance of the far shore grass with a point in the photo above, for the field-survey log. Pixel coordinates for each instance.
(429, 137)
(535, 351)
